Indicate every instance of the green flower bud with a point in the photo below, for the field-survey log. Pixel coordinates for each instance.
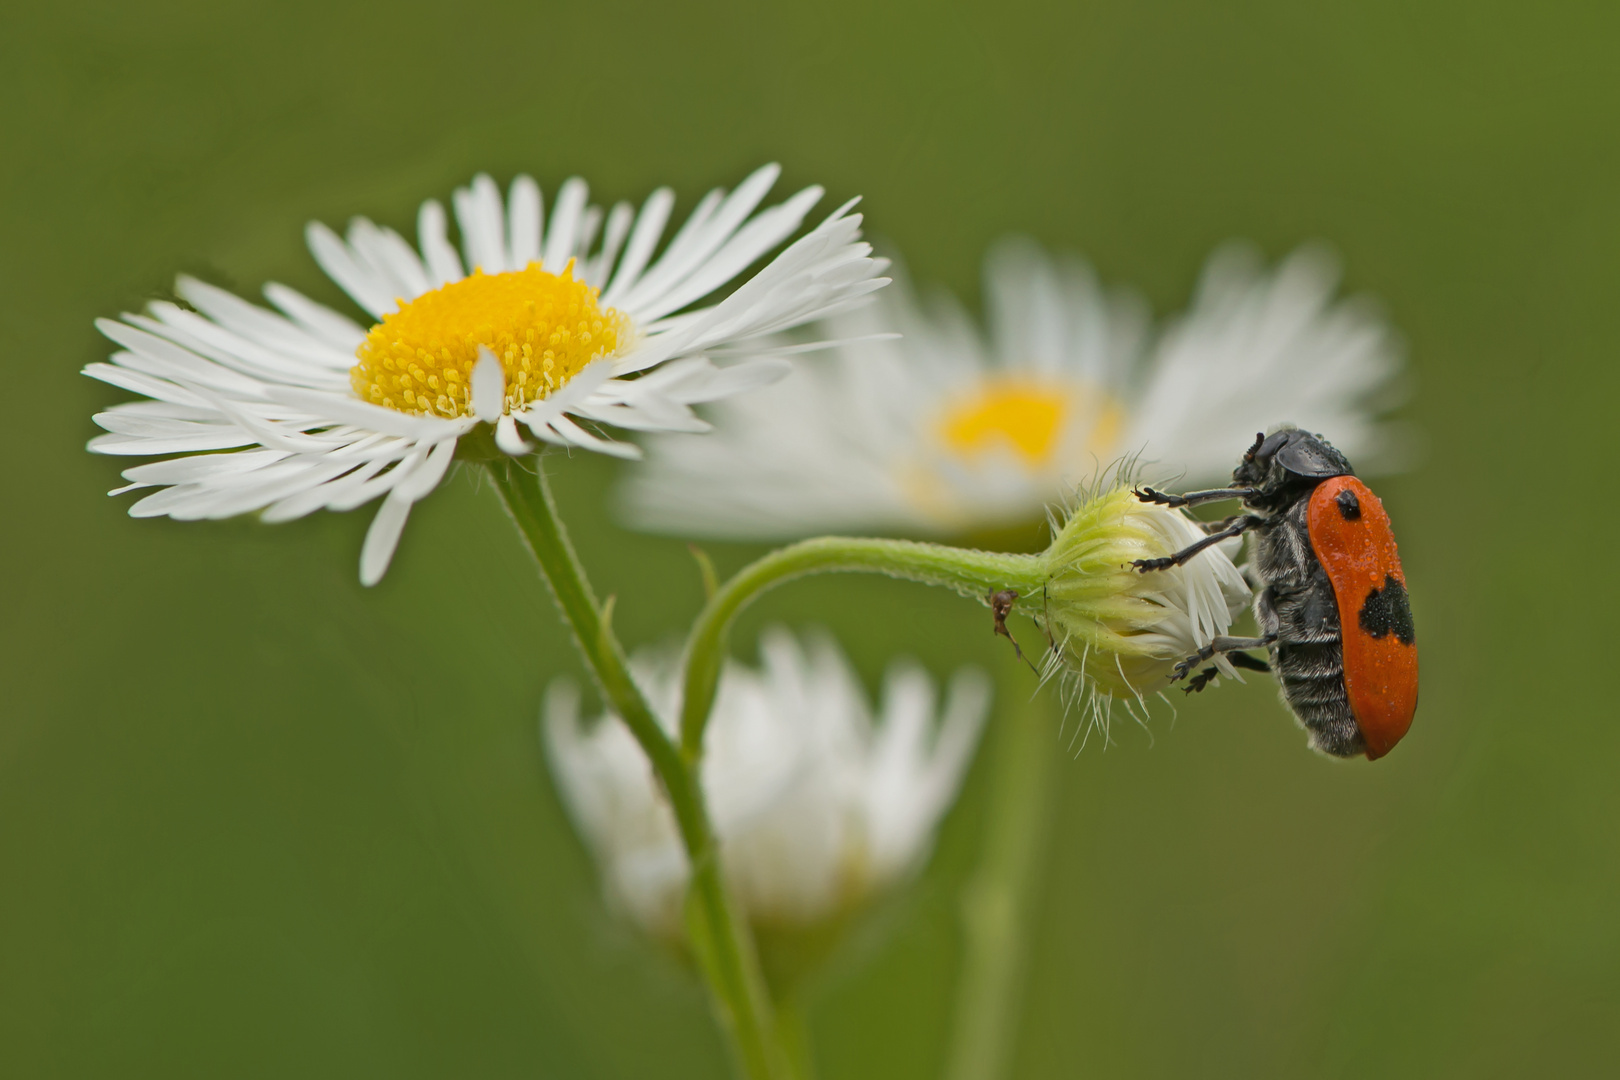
(1116, 630)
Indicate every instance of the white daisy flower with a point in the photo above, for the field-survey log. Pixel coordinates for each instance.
(554, 323)
(942, 432)
(815, 803)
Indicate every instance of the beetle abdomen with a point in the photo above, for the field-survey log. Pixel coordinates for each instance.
(1308, 657)
(1312, 680)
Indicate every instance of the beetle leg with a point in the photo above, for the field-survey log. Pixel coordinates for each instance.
(1240, 524)
(1216, 526)
(1192, 498)
(1232, 645)
(1208, 675)
(1248, 663)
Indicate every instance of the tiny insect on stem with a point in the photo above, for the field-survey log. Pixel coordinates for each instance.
(1001, 605)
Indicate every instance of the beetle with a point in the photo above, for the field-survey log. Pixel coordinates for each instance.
(1332, 604)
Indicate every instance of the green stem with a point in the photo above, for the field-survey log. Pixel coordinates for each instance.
(998, 900)
(730, 964)
(972, 573)
(793, 1034)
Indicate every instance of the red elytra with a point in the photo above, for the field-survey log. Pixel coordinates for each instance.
(1380, 653)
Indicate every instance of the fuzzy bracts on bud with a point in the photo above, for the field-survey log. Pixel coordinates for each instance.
(1115, 630)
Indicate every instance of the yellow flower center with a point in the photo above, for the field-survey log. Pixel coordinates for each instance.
(543, 327)
(1027, 416)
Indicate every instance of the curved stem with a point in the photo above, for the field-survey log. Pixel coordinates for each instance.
(971, 573)
(727, 952)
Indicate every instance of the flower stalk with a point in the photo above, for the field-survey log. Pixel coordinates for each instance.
(998, 901)
(720, 937)
(972, 573)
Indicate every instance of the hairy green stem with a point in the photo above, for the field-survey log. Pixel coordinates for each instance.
(971, 573)
(727, 951)
(998, 900)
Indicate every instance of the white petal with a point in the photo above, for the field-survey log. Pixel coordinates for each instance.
(577, 435)
(703, 235)
(649, 412)
(128, 422)
(565, 222)
(251, 322)
(690, 237)
(589, 222)
(823, 272)
(165, 359)
(192, 469)
(508, 439)
(488, 386)
(426, 476)
(573, 393)
(483, 225)
(343, 408)
(525, 216)
(167, 410)
(966, 710)
(141, 383)
(750, 242)
(334, 256)
(357, 488)
(300, 363)
(142, 446)
(643, 239)
(618, 227)
(382, 538)
(343, 493)
(443, 264)
(738, 379)
(339, 331)
(390, 257)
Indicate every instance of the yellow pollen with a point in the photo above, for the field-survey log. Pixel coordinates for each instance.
(543, 327)
(1029, 417)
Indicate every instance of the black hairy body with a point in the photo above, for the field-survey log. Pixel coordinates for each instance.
(1296, 609)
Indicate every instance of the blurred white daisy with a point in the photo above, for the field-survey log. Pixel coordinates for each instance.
(942, 432)
(528, 328)
(815, 802)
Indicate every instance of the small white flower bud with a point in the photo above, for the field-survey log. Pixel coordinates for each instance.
(1116, 630)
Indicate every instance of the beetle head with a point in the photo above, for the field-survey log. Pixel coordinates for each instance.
(1285, 463)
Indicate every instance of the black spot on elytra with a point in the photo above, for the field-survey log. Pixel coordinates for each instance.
(1387, 611)
(1349, 505)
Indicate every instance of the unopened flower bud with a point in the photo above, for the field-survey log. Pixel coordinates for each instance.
(1115, 629)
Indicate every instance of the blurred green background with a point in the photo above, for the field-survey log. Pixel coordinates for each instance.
(257, 821)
